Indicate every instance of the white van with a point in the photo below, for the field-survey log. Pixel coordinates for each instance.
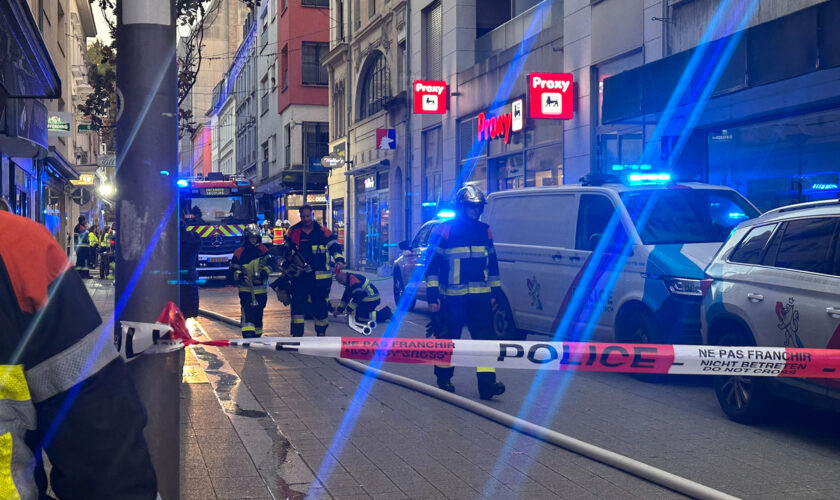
(609, 261)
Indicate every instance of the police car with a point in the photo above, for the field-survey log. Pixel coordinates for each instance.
(775, 283)
(415, 253)
(613, 259)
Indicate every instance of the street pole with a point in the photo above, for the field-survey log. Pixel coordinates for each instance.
(147, 221)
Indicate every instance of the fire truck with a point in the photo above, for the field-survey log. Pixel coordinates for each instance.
(217, 208)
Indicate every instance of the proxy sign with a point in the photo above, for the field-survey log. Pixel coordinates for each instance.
(551, 95)
(430, 97)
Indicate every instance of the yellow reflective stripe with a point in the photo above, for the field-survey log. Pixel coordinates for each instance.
(456, 271)
(457, 250)
(207, 230)
(351, 306)
(224, 231)
(190, 228)
(495, 283)
(371, 298)
(478, 249)
(432, 284)
(235, 230)
(485, 369)
(297, 320)
(7, 484)
(248, 329)
(13, 383)
(465, 291)
(338, 256)
(319, 276)
(321, 322)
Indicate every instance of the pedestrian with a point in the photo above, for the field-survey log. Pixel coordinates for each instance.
(93, 247)
(315, 244)
(250, 265)
(80, 235)
(64, 390)
(188, 256)
(463, 283)
(105, 249)
(361, 297)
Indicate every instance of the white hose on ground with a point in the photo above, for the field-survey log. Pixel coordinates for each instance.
(616, 460)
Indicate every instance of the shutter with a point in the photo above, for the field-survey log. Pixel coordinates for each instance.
(433, 43)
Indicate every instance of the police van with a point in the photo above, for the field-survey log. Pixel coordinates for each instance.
(616, 258)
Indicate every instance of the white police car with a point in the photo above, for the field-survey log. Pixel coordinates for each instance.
(774, 283)
(609, 260)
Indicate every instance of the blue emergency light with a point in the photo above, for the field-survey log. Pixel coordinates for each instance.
(446, 214)
(651, 178)
(182, 183)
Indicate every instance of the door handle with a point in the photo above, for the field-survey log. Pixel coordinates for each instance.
(556, 256)
(834, 312)
(755, 297)
(574, 257)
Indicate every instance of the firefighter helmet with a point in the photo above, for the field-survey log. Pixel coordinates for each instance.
(469, 196)
(251, 230)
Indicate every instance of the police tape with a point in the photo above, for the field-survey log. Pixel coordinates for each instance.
(170, 333)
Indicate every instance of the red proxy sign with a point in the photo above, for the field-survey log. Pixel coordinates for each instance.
(550, 95)
(430, 97)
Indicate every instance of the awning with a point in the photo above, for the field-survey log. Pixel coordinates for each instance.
(292, 180)
(26, 69)
(369, 168)
(64, 169)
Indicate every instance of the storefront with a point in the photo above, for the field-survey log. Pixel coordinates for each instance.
(372, 216)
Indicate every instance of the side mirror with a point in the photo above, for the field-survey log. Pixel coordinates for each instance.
(404, 245)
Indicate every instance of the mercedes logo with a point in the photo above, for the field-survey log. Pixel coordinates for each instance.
(217, 241)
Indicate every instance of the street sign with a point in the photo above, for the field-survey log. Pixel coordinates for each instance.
(83, 180)
(332, 162)
(81, 196)
(87, 128)
(386, 138)
(430, 97)
(58, 123)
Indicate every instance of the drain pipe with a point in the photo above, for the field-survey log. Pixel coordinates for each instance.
(616, 460)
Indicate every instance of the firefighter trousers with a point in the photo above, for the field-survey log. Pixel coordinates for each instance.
(475, 312)
(304, 289)
(252, 315)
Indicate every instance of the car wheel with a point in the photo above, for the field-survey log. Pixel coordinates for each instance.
(399, 290)
(503, 323)
(746, 400)
(641, 328)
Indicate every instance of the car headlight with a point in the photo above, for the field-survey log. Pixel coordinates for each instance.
(686, 286)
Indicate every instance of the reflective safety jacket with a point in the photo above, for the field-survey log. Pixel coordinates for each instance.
(62, 385)
(252, 262)
(315, 248)
(93, 240)
(464, 261)
(80, 233)
(357, 291)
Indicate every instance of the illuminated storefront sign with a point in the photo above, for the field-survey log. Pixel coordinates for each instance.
(430, 97)
(493, 127)
(551, 95)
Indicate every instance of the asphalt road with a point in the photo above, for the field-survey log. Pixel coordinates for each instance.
(676, 425)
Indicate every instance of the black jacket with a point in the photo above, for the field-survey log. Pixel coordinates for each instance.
(188, 252)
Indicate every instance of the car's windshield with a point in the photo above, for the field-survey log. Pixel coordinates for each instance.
(686, 215)
(218, 209)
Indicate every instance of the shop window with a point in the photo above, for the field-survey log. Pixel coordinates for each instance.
(621, 149)
(544, 167)
(473, 172)
(376, 86)
(468, 146)
(338, 219)
(312, 55)
(509, 172)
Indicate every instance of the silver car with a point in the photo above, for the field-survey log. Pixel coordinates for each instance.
(776, 283)
(414, 252)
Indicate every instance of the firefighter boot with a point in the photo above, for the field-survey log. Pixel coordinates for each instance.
(444, 378)
(487, 385)
(384, 314)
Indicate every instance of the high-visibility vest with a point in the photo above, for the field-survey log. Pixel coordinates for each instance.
(279, 236)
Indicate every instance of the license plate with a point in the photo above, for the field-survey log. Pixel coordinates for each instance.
(215, 191)
(218, 259)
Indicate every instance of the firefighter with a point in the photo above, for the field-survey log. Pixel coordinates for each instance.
(80, 234)
(64, 389)
(360, 297)
(463, 283)
(250, 271)
(314, 244)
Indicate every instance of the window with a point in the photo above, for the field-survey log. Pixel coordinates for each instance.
(806, 245)
(752, 246)
(338, 109)
(686, 215)
(284, 67)
(264, 96)
(376, 87)
(597, 216)
(265, 160)
(315, 3)
(316, 141)
(422, 237)
(314, 73)
(288, 145)
(340, 20)
(432, 172)
(371, 8)
(432, 42)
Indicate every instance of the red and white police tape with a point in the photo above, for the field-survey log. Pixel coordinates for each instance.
(530, 355)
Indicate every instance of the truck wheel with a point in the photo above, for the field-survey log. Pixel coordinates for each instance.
(399, 290)
(746, 400)
(503, 323)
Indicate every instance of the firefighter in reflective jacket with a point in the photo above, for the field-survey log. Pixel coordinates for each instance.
(463, 283)
(315, 245)
(63, 387)
(250, 271)
(360, 297)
